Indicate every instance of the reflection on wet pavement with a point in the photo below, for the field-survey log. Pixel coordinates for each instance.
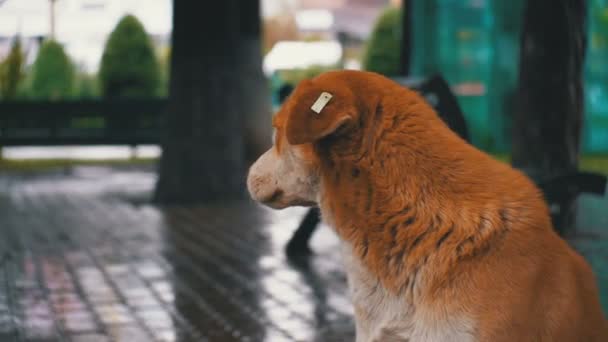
(84, 258)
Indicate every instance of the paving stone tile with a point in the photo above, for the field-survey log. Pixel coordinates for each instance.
(111, 314)
(90, 338)
(78, 321)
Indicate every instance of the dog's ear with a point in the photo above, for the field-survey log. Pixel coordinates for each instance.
(316, 115)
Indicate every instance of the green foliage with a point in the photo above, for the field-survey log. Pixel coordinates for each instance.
(165, 72)
(52, 73)
(11, 71)
(128, 66)
(36, 165)
(594, 163)
(87, 86)
(383, 49)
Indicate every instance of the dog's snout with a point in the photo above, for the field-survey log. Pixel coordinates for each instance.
(276, 181)
(254, 183)
(264, 190)
(273, 197)
(260, 181)
(259, 184)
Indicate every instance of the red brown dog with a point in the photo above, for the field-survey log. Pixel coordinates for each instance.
(441, 241)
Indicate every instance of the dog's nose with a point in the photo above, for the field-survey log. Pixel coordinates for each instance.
(252, 185)
(272, 197)
(261, 182)
(258, 187)
(262, 191)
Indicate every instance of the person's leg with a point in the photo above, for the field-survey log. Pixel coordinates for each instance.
(298, 244)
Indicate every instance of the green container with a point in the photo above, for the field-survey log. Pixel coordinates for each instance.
(465, 53)
(595, 136)
(461, 45)
(474, 44)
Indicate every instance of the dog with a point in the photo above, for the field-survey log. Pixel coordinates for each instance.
(441, 242)
(438, 92)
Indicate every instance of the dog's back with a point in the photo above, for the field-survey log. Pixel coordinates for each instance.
(442, 242)
(448, 228)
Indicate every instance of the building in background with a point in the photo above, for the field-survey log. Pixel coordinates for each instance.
(351, 20)
(347, 23)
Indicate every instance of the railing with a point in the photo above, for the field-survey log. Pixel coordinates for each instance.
(84, 122)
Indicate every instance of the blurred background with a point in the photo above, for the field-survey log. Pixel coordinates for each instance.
(52, 51)
(127, 127)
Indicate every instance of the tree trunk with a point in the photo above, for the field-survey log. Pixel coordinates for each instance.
(547, 126)
(255, 90)
(203, 144)
(407, 36)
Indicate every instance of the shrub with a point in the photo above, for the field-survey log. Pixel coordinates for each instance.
(52, 73)
(86, 86)
(383, 49)
(11, 71)
(128, 66)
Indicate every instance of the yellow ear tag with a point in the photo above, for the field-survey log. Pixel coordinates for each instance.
(321, 102)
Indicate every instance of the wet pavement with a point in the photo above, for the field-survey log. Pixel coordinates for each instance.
(85, 257)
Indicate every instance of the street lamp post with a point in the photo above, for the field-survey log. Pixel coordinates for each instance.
(52, 10)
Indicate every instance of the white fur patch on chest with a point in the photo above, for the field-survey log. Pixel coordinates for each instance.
(383, 317)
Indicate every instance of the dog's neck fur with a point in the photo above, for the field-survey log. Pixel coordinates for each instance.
(395, 188)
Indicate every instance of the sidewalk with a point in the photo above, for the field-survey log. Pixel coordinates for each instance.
(85, 258)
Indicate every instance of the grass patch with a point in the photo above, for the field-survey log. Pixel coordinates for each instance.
(592, 163)
(42, 164)
(505, 158)
(595, 163)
